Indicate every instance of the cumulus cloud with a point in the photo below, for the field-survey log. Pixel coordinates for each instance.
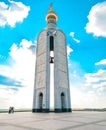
(97, 80)
(87, 100)
(97, 20)
(12, 13)
(9, 81)
(69, 50)
(96, 77)
(24, 59)
(72, 34)
(102, 62)
(21, 72)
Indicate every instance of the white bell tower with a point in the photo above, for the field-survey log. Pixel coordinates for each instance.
(51, 87)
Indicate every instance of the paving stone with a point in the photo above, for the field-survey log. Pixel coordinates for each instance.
(53, 121)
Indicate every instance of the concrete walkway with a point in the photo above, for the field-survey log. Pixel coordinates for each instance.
(53, 121)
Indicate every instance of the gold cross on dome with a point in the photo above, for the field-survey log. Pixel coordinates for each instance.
(51, 7)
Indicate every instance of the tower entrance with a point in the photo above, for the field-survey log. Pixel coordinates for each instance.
(40, 101)
(62, 101)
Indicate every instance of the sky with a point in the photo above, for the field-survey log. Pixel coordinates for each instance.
(84, 24)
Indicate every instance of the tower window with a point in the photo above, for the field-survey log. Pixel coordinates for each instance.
(51, 43)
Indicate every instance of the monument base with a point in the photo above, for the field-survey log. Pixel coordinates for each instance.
(57, 110)
(40, 110)
(63, 110)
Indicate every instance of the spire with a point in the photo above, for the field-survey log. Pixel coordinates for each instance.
(51, 7)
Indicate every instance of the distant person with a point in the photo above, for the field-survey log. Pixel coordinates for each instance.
(9, 111)
(12, 109)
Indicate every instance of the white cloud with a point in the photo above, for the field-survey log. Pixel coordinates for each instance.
(76, 40)
(72, 34)
(69, 50)
(102, 62)
(12, 13)
(96, 81)
(89, 92)
(100, 85)
(97, 20)
(21, 68)
(87, 100)
(24, 59)
(96, 77)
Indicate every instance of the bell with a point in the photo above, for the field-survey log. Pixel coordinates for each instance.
(51, 59)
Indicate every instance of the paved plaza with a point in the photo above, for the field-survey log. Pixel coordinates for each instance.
(53, 121)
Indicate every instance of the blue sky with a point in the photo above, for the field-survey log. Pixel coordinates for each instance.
(83, 23)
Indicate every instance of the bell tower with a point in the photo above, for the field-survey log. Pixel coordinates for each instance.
(51, 85)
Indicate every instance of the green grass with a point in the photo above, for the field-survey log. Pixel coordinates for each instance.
(90, 109)
(17, 110)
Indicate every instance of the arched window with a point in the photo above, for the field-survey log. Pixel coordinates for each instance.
(40, 101)
(62, 100)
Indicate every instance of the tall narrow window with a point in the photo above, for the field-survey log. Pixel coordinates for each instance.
(51, 73)
(51, 43)
(51, 49)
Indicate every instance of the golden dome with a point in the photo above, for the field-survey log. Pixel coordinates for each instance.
(51, 14)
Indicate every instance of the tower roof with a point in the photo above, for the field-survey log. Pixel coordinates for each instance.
(51, 13)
